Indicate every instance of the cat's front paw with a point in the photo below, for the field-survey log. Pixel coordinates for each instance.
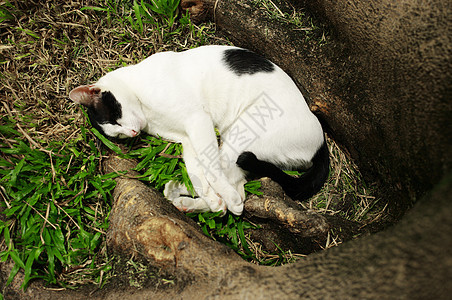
(236, 209)
(188, 204)
(215, 202)
(174, 190)
(179, 195)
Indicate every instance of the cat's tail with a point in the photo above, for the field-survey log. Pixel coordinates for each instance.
(301, 188)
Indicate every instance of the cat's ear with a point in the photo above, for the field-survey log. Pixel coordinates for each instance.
(86, 95)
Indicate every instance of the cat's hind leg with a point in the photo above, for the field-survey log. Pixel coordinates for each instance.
(234, 174)
(204, 157)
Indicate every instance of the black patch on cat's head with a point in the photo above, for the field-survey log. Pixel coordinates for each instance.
(107, 110)
(242, 61)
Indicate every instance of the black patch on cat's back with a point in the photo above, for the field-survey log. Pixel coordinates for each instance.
(242, 61)
(106, 111)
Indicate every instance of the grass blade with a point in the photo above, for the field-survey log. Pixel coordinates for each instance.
(242, 238)
(137, 11)
(28, 267)
(13, 274)
(110, 145)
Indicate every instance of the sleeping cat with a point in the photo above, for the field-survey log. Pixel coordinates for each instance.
(264, 122)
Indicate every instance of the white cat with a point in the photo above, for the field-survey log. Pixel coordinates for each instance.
(263, 120)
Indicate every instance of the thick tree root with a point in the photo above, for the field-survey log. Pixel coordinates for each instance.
(276, 206)
(145, 224)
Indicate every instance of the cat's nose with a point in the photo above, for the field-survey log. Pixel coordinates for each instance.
(134, 133)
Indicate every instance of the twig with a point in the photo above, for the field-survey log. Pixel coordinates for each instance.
(75, 223)
(277, 8)
(34, 143)
(44, 224)
(4, 196)
(215, 11)
(163, 154)
(52, 167)
(44, 218)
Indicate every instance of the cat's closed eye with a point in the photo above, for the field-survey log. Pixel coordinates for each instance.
(119, 131)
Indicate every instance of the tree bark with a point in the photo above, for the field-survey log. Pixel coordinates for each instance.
(284, 222)
(379, 266)
(143, 223)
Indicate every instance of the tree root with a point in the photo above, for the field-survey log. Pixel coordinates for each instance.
(143, 223)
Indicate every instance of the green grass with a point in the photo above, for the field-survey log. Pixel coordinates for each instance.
(229, 230)
(55, 202)
(56, 205)
(160, 13)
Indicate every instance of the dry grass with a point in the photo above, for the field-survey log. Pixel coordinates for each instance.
(345, 192)
(49, 47)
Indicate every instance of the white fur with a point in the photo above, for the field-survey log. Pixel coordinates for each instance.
(184, 96)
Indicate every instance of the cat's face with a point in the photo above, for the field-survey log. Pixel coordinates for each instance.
(108, 113)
